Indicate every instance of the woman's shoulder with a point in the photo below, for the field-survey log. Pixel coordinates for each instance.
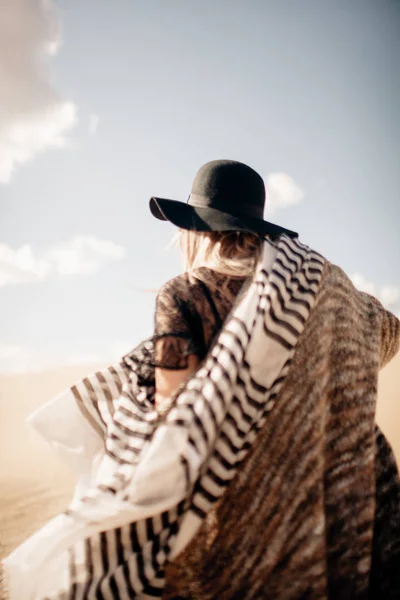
(191, 289)
(180, 287)
(186, 283)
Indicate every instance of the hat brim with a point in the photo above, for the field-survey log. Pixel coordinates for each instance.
(197, 218)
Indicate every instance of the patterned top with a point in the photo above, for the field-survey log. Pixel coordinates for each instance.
(190, 310)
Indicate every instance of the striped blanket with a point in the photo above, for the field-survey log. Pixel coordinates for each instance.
(146, 482)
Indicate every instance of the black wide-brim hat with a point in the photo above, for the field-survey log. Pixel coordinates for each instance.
(226, 196)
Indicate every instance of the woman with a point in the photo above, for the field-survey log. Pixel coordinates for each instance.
(268, 478)
(220, 237)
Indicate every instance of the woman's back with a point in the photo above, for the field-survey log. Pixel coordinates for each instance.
(190, 311)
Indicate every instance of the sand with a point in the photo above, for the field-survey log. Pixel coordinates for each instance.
(35, 486)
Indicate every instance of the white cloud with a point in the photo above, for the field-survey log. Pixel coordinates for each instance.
(81, 255)
(33, 115)
(9, 352)
(389, 295)
(94, 121)
(15, 359)
(363, 284)
(107, 355)
(18, 359)
(21, 266)
(74, 360)
(282, 191)
(119, 349)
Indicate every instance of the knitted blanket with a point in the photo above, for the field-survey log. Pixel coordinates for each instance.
(265, 478)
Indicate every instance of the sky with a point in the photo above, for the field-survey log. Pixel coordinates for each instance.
(105, 104)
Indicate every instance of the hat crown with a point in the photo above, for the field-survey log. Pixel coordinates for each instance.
(229, 183)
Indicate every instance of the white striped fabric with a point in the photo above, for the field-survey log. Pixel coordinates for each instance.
(160, 477)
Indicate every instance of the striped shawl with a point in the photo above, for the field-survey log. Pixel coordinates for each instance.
(266, 478)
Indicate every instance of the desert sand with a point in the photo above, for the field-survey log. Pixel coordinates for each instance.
(35, 486)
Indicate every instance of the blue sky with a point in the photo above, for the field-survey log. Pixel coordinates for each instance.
(146, 92)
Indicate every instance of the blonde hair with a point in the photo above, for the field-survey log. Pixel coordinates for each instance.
(233, 253)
